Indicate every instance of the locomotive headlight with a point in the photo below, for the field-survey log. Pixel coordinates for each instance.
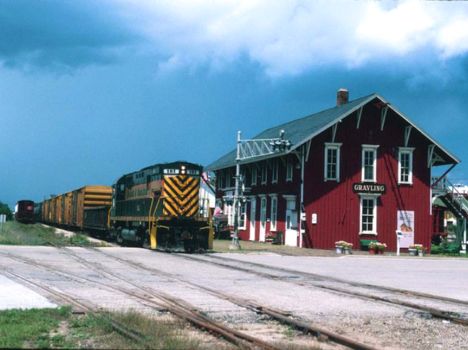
(182, 169)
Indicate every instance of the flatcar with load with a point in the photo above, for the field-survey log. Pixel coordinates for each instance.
(24, 211)
(159, 206)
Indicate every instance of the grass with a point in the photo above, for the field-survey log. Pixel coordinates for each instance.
(31, 328)
(59, 328)
(15, 233)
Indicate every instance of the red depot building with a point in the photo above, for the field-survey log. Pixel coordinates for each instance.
(365, 170)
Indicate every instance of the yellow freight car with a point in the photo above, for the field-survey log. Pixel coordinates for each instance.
(67, 209)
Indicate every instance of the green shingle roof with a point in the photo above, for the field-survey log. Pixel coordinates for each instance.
(301, 130)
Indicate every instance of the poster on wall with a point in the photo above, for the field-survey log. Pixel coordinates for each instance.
(405, 224)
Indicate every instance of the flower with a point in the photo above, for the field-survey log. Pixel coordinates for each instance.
(343, 244)
(417, 247)
(377, 245)
(340, 243)
(381, 246)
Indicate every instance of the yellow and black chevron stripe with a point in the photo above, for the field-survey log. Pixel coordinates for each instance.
(180, 193)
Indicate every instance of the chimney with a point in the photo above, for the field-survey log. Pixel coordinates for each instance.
(342, 97)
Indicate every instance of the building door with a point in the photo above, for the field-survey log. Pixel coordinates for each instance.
(263, 209)
(291, 223)
(253, 203)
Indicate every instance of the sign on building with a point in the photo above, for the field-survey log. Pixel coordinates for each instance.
(405, 225)
(369, 188)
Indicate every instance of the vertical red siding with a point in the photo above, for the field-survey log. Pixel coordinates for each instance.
(338, 208)
(336, 205)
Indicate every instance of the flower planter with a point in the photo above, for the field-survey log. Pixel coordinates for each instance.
(412, 252)
(339, 250)
(371, 251)
(420, 252)
(381, 251)
(347, 251)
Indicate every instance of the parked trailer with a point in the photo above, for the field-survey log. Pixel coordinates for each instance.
(24, 211)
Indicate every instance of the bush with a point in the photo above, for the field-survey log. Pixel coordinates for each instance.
(5, 209)
(446, 248)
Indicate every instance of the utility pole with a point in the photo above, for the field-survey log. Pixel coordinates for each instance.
(235, 245)
(247, 150)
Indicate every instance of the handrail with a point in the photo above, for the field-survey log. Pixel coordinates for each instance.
(457, 196)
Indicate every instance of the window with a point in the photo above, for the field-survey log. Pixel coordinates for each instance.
(253, 176)
(228, 178)
(332, 161)
(264, 174)
(369, 163)
(243, 178)
(273, 213)
(274, 172)
(220, 179)
(405, 165)
(242, 216)
(368, 215)
(263, 210)
(289, 171)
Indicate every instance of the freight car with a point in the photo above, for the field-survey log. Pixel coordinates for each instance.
(24, 211)
(159, 206)
(67, 210)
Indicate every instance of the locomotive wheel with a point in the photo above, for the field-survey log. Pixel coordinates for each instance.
(119, 239)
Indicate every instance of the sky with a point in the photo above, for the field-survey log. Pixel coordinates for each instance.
(91, 90)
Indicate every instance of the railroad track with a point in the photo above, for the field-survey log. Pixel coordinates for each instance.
(147, 296)
(279, 315)
(308, 280)
(80, 306)
(330, 284)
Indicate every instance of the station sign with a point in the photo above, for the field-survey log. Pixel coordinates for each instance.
(369, 188)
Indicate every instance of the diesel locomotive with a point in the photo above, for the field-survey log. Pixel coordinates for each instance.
(156, 207)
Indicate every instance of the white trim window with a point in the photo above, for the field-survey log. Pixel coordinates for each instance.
(405, 165)
(369, 163)
(264, 174)
(332, 162)
(368, 215)
(243, 216)
(289, 170)
(253, 176)
(273, 213)
(274, 171)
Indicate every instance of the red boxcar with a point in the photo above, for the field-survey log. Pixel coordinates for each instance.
(24, 211)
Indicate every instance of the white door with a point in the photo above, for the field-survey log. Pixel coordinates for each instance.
(291, 224)
(263, 207)
(253, 203)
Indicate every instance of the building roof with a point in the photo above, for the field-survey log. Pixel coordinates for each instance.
(302, 130)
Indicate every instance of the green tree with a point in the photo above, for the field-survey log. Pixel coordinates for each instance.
(4, 209)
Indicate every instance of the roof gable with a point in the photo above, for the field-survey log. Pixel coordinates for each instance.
(302, 130)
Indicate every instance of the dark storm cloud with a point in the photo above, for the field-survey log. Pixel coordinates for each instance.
(60, 34)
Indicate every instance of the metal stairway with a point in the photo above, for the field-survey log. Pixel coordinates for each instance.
(456, 202)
